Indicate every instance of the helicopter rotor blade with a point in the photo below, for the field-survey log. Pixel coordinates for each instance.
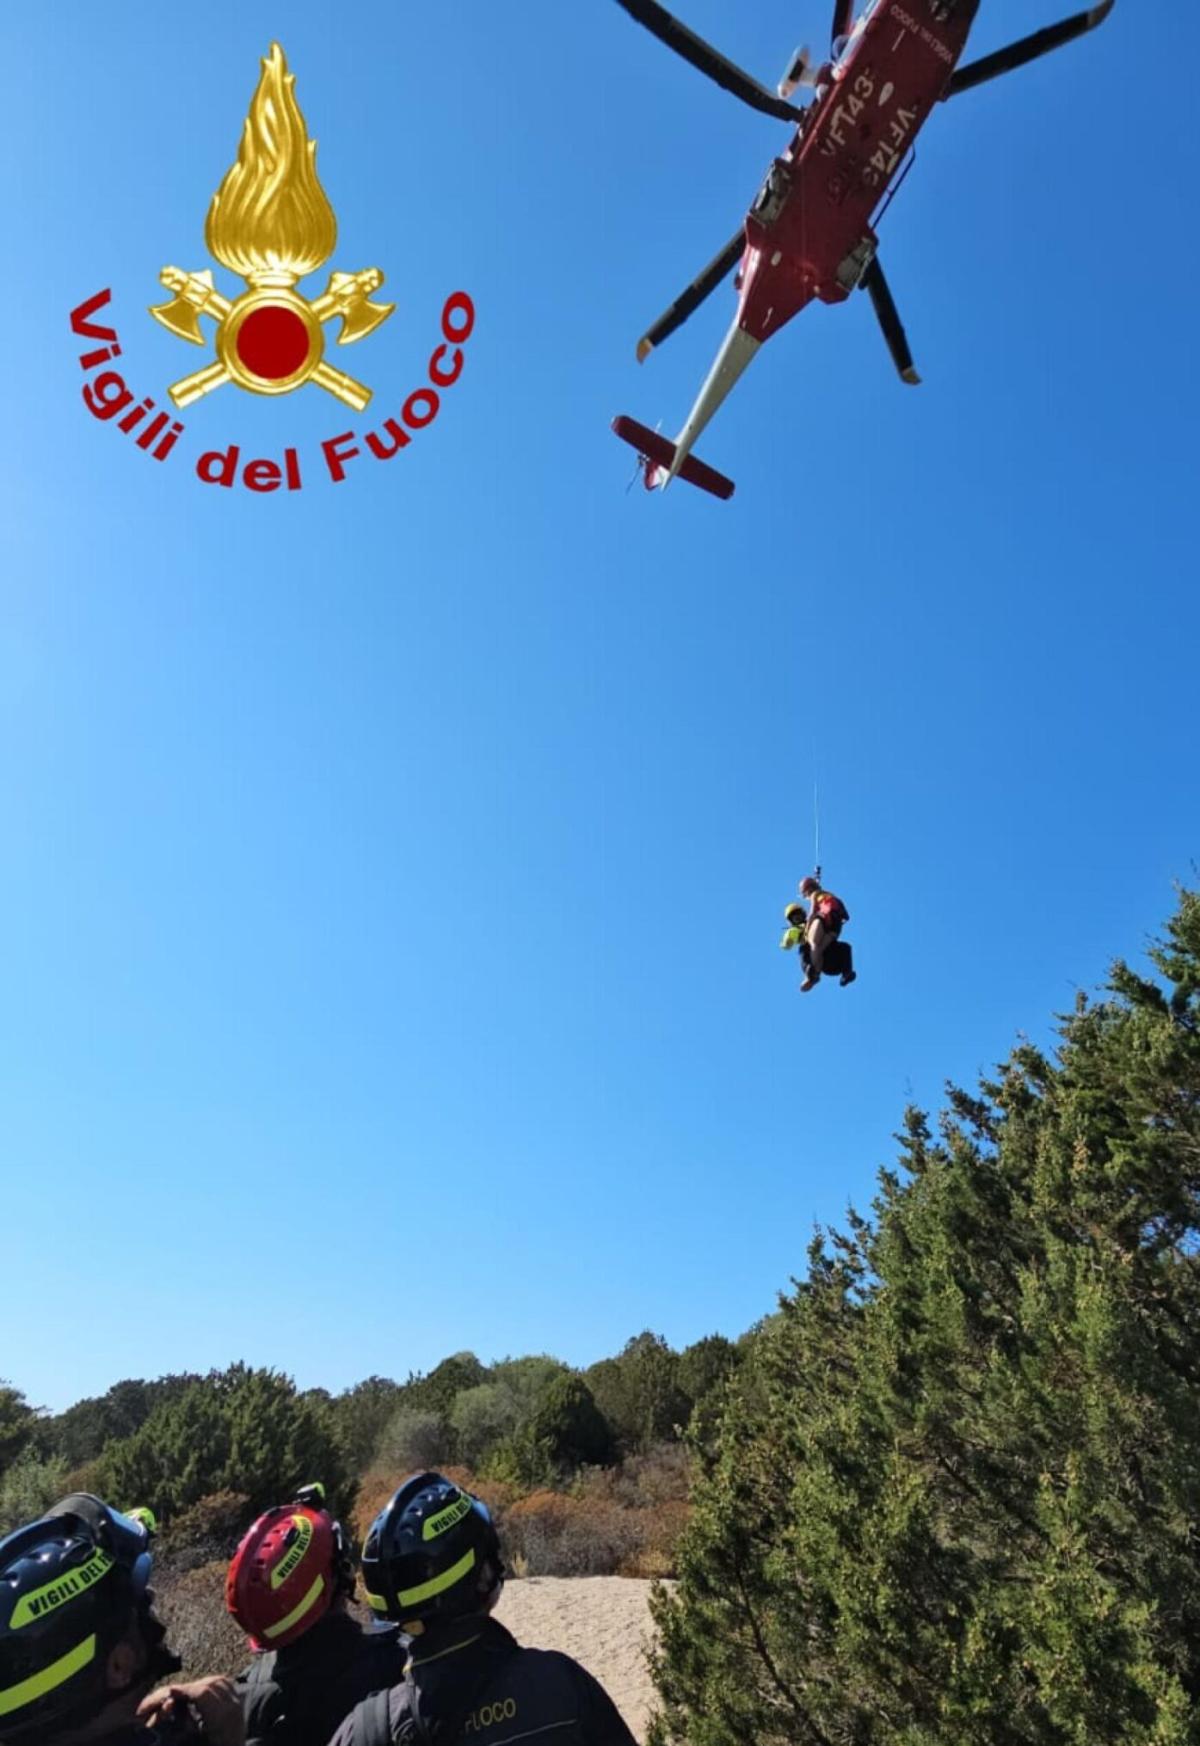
(1028, 48)
(843, 18)
(686, 304)
(877, 287)
(707, 60)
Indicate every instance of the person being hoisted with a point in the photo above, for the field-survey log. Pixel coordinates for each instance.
(817, 934)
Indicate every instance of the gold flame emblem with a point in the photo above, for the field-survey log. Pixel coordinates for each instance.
(271, 223)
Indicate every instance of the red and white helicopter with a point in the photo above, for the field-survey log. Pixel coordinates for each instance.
(809, 233)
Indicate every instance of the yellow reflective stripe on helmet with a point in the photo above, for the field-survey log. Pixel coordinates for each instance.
(435, 1525)
(375, 1601)
(294, 1557)
(62, 1590)
(49, 1679)
(411, 1597)
(297, 1613)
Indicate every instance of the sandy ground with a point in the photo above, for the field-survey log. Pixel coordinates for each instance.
(603, 1621)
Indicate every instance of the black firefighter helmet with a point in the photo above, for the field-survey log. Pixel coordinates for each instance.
(71, 1586)
(432, 1552)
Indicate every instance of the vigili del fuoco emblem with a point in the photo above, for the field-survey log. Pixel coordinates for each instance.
(271, 222)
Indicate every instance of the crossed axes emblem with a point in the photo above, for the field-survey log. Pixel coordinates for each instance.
(270, 339)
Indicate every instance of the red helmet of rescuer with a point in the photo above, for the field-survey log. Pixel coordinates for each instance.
(289, 1569)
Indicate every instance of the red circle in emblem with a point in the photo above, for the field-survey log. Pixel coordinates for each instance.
(273, 342)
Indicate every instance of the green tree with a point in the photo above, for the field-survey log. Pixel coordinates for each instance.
(486, 1418)
(953, 1494)
(238, 1430)
(17, 1422)
(639, 1392)
(413, 1439)
(705, 1366)
(30, 1485)
(482, 1419)
(81, 1433)
(566, 1431)
(361, 1414)
(436, 1392)
(528, 1378)
(703, 1372)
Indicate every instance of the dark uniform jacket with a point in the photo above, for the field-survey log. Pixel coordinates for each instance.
(473, 1682)
(297, 1695)
(181, 1731)
(134, 1734)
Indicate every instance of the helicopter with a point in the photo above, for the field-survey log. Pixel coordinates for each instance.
(810, 232)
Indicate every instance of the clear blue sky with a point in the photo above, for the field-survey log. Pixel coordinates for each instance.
(392, 874)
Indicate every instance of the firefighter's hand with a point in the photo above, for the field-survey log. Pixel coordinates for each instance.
(212, 1703)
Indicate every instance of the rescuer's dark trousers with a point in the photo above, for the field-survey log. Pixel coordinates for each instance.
(837, 959)
(819, 937)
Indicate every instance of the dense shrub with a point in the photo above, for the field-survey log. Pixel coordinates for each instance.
(659, 1479)
(29, 1485)
(528, 1378)
(594, 1530)
(361, 1416)
(206, 1531)
(238, 1430)
(552, 1534)
(481, 1419)
(414, 1438)
(653, 1490)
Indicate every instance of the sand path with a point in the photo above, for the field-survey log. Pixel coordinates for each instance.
(603, 1621)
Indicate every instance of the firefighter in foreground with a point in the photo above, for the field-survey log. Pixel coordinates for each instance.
(816, 933)
(432, 1565)
(81, 1650)
(289, 1586)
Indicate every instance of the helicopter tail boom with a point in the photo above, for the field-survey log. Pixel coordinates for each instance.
(660, 462)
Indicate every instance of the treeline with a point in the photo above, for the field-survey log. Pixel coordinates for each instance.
(249, 1437)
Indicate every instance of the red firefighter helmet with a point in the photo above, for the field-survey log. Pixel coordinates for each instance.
(287, 1572)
